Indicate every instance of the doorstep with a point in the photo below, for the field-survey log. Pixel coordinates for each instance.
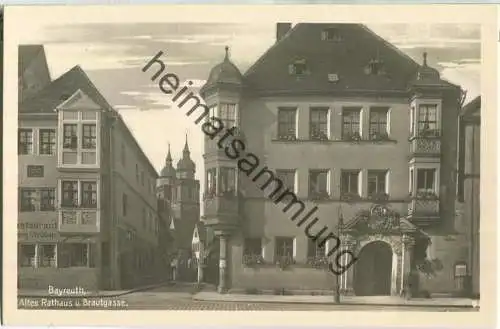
(349, 300)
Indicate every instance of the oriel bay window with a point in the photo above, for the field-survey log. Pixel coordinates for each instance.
(318, 129)
(70, 136)
(211, 188)
(76, 194)
(378, 123)
(318, 184)
(89, 136)
(287, 123)
(227, 185)
(426, 184)
(351, 123)
(227, 114)
(428, 120)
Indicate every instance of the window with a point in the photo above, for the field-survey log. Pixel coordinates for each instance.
(89, 194)
(377, 182)
(298, 67)
(330, 34)
(349, 182)
(425, 180)
(318, 182)
(314, 250)
(124, 205)
(252, 247)
(318, 123)
(378, 123)
(70, 138)
(427, 120)
(25, 145)
(287, 125)
(227, 180)
(227, 114)
(287, 177)
(70, 194)
(123, 155)
(375, 67)
(350, 123)
(47, 141)
(27, 197)
(284, 247)
(47, 255)
(89, 136)
(74, 255)
(48, 199)
(211, 181)
(26, 255)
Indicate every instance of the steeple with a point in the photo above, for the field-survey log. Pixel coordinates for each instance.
(186, 165)
(168, 170)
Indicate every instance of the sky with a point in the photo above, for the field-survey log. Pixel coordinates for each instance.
(113, 53)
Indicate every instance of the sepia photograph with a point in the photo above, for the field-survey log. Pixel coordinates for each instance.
(247, 165)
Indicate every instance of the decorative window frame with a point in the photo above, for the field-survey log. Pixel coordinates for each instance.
(329, 111)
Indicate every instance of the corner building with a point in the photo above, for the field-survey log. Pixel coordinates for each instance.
(356, 128)
(87, 200)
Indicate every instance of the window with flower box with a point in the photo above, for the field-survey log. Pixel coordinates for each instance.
(287, 123)
(284, 251)
(426, 186)
(318, 129)
(378, 123)
(252, 251)
(377, 184)
(351, 123)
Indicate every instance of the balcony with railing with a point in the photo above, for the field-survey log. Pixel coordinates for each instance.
(424, 209)
(427, 143)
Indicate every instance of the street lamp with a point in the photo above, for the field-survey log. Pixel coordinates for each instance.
(336, 291)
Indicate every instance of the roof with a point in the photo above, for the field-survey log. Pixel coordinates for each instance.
(225, 73)
(27, 53)
(64, 87)
(347, 58)
(473, 106)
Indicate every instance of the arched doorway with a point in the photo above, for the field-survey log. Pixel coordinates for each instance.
(372, 272)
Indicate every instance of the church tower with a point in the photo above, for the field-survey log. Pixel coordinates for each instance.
(187, 199)
(167, 180)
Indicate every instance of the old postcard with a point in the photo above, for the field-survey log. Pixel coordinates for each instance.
(295, 159)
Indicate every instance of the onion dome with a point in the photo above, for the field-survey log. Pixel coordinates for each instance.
(168, 170)
(225, 73)
(186, 164)
(426, 73)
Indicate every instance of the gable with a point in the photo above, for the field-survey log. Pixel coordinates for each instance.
(346, 57)
(79, 101)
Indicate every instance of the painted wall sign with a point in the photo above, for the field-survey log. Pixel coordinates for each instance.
(38, 231)
(35, 171)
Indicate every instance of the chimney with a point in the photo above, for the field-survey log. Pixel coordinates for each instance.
(282, 29)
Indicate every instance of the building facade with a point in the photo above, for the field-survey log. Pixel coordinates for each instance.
(469, 184)
(358, 131)
(88, 212)
(180, 191)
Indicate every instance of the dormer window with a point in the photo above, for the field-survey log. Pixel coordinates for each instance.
(298, 67)
(331, 34)
(374, 67)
